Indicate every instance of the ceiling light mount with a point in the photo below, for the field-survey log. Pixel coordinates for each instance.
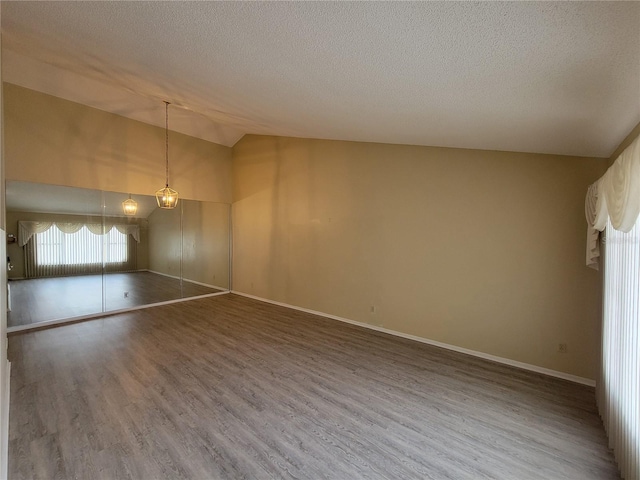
(167, 197)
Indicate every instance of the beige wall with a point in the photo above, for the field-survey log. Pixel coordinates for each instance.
(202, 235)
(16, 253)
(482, 250)
(205, 251)
(165, 243)
(50, 140)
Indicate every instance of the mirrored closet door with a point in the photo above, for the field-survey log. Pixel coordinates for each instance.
(74, 252)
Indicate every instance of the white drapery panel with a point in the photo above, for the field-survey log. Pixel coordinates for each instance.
(614, 197)
(593, 235)
(618, 386)
(613, 205)
(26, 229)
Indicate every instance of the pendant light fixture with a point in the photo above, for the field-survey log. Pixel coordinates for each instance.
(130, 207)
(167, 197)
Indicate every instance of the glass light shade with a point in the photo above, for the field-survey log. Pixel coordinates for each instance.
(167, 197)
(130, 207)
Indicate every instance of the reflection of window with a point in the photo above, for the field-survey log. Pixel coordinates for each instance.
(54, 247)
(116, 246)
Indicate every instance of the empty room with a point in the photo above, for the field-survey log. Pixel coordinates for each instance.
(320, 240)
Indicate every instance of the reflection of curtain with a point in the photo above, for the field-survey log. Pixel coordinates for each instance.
(74, 251)
(26, 229)
(133, 230)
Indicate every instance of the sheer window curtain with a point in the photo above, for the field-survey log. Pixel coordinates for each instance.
(65, 248)
(613, 207)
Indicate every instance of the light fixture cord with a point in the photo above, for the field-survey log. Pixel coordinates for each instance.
(166, 139)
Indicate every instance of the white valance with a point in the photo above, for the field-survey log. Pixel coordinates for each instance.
(26, 229)
(616, 197)
(126, 229)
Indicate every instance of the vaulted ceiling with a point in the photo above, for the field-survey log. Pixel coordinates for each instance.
(547, 77)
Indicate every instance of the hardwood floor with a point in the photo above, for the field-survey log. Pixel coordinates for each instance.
(230, 388)
(41, 299)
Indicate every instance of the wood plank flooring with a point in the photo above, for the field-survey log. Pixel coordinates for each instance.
(40, 299)
(231, 388)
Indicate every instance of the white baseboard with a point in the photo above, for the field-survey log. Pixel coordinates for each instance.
(486, 356)
(176, 277)
(187, 280)
(205, 284)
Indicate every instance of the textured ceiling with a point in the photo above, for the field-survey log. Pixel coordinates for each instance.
(548, 77)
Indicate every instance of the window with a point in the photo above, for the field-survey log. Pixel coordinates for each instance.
(54, 247)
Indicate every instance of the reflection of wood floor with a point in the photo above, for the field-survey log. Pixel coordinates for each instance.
(41, 299)
(228, 388)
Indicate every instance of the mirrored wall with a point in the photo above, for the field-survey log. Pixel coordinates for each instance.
(74, 253)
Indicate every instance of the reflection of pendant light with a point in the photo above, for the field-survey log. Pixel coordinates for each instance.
(129, 206)
(167, 197)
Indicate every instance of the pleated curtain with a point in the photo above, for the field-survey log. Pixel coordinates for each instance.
(26, 229)
(89, 250)
(612, 209)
